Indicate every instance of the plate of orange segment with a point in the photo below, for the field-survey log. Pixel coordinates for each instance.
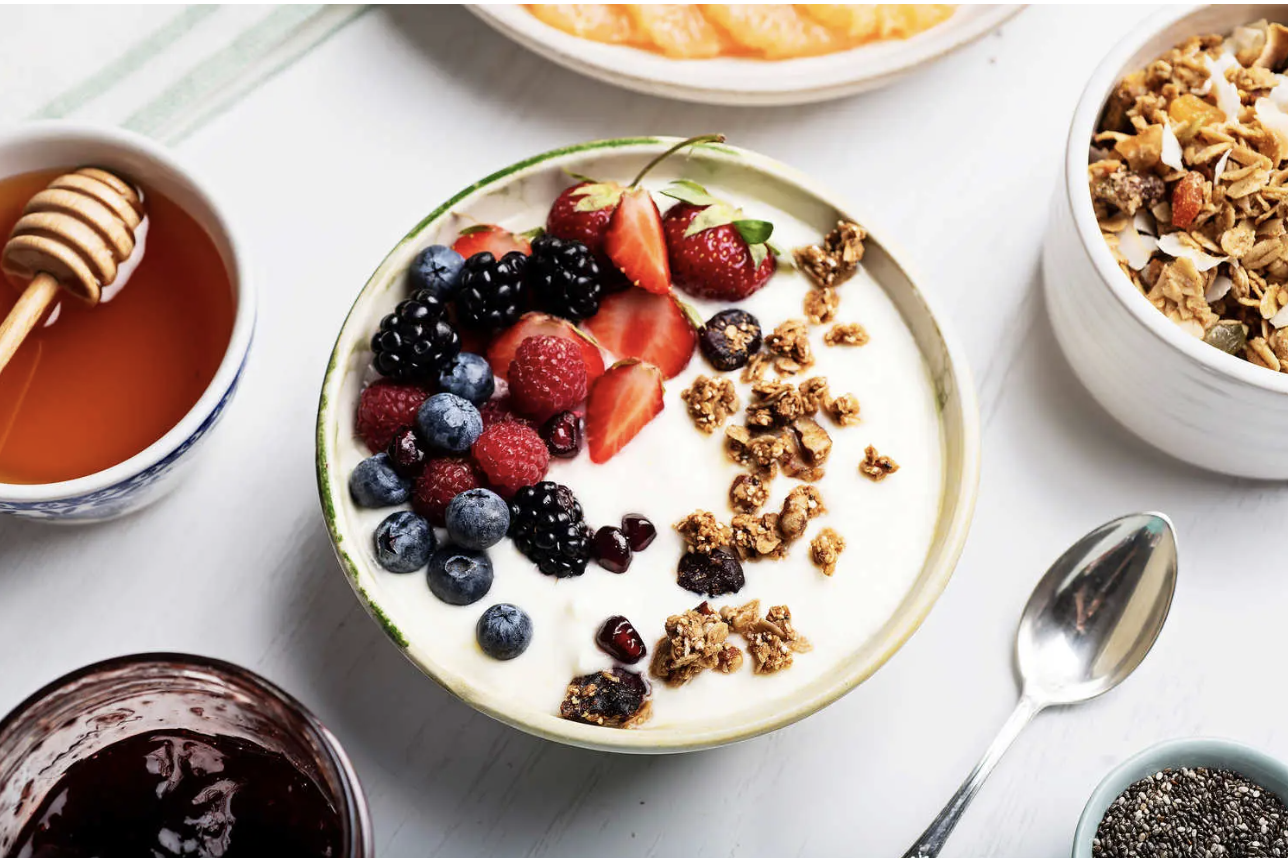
(753, 54)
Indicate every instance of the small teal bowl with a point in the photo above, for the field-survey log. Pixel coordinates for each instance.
(1261, 768)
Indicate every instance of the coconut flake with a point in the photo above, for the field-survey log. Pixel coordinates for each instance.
(1227, 94)
(1221, 286)
(1243, 39)
(1280, 319)
(1135, 248)
(1171, 148)
(1172, 246)
(1144, 222)
(1279, 93)
(1272, 119)
(1220, 166)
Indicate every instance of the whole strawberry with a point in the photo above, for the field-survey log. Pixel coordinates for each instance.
(582, 213)
(714, 251)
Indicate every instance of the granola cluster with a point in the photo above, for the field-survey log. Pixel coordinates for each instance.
(1190, 186)
(772, 640)
(710, 401)
(825, 549)
(875, 466)
(695, 641)
(790, 348)
(698, 640)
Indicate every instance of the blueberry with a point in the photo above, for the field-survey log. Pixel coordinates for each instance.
(469, 377)
(459, 576)
(404, 542)
(504, 631)
(438, 269)
(477, 518)
(449, 423)
(374, 483)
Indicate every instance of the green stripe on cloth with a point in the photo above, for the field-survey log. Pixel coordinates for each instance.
(216, 84)
(132, 60)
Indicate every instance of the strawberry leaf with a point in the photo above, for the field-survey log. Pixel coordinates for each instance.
(754, 231)
(598, 196)
(712, 216)
(535, 232)
(689, 192)
(758, 253)
(477, 228)
(581, 177)
(691, 313)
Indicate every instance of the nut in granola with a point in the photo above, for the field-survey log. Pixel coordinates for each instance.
(748, 493)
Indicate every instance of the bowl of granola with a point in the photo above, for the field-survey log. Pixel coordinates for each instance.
(1166, 260)
(681, 470)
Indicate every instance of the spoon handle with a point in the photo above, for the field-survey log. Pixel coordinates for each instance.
(934, 837)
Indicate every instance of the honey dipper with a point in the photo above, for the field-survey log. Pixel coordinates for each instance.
(72, 235)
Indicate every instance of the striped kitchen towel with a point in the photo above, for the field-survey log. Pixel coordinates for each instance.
(160, 70)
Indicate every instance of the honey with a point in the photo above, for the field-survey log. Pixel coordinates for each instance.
(94, 386)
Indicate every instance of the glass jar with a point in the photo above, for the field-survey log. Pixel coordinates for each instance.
(91, 708)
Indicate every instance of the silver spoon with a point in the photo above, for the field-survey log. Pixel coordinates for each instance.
(1089, 623)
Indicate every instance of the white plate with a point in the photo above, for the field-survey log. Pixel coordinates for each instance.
(738, 81)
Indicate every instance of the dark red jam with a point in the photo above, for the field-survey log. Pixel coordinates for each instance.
(175, 792)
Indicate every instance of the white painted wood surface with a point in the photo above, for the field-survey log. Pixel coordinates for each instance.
(397, 112)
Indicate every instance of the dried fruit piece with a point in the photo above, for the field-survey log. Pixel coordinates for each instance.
(609, 698)
(1187, 199)
(712, 574)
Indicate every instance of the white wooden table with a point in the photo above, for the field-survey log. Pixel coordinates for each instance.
(327, 164)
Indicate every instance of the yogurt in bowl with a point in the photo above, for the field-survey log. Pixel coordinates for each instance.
(901, 535)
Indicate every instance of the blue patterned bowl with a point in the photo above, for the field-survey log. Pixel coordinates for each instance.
(148, 475)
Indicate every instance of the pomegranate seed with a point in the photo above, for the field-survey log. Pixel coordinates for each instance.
(619, 639)
(405, 453)
(639, 531)
(611, 549)
(562, 434)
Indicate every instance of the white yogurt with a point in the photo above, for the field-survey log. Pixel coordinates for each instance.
(671, 469)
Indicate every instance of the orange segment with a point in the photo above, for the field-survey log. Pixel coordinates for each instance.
(778, 31)
(677, 30)
(596, 21)
(856, 22)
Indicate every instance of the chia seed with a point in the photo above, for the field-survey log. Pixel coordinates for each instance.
(1204, 813)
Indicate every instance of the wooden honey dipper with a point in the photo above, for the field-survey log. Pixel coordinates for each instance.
(74, 234)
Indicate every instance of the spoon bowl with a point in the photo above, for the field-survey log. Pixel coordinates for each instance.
(1098, 610)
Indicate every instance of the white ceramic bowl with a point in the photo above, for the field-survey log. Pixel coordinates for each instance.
(148, 475)
(1191, 400)
(736, 81)
(522, 193)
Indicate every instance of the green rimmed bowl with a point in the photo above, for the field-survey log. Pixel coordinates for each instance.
(522, 194)
(1259, 767)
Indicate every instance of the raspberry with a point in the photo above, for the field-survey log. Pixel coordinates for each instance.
(384, 408)
(548, 375)
(442, 480)
(499, 411)
(511, 455)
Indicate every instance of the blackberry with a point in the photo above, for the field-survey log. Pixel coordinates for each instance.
(729, 339)
(416, 340)
(492, 294)
(564, 278)
(546, 524)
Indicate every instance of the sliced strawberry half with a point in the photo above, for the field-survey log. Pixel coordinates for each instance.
(653, 328)
(622, 402)
(493, 239)
(502, 350)
(636, 244)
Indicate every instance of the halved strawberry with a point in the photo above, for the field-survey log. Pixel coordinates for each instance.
(502, 350)
(653, 328)
(635, 243)
(493, 239)
(622, 402)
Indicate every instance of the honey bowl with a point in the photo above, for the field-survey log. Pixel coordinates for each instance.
(102, 408)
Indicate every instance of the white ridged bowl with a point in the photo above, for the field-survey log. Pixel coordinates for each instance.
(1186, 398)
